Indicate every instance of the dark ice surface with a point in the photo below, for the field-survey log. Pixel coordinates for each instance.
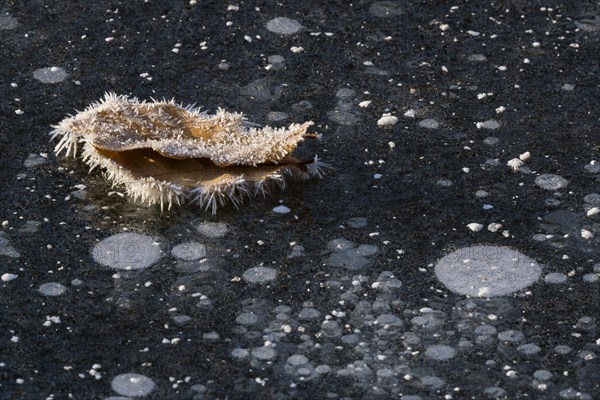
(466, 132)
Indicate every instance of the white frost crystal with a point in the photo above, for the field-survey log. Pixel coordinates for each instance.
(475, 227)
(387, 120)
(515, 164)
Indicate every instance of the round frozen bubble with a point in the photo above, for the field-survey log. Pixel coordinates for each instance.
(212, 230)
(490, 124)
(134, 385)
(260, 275)
(440, 352)
(127, 251)
(385, 9)
(247, 318)
(284, 26)
(556, 278)
(8, 22)
(529, 349)
(52, 289)
(551, 182)
(297, 360)
(487, 271)
(429, 123)
(190, 251)
(50, 75)
(264, 353)
(357, 222)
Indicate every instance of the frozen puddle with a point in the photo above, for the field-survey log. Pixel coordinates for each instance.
(487, 271)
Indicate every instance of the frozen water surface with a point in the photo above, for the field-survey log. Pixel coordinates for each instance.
(450, 252)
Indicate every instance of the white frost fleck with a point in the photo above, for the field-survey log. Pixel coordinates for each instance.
(525, 156)
(8, 277)
(593, 211)
(281, 209)
(387, 120)
(515, 164)
(475, 227)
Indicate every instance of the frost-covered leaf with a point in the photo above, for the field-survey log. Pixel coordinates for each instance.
(164, 153)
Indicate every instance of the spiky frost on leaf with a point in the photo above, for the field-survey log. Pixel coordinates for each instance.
(167, 154)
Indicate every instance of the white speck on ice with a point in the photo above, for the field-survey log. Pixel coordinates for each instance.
(475, 227)
(387, 120)
(296, 49)
(8, 277)
(500, 110)
(281, 209)
(410, 113)
(593, 211)
(494, 227)
(525, 156)
(586, 234)
(515, 164)
(365, 103)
